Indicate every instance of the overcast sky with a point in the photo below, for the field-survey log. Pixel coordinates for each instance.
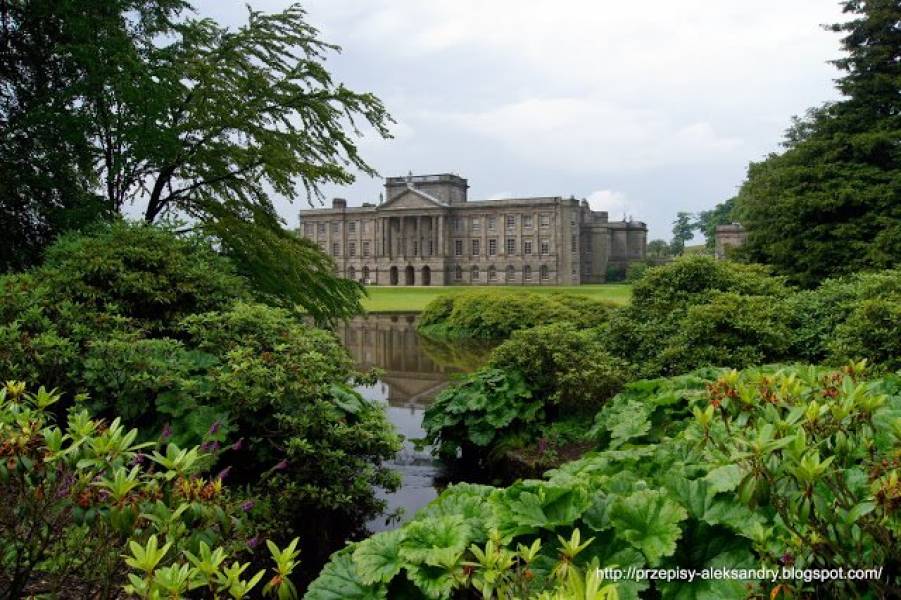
(645, 108)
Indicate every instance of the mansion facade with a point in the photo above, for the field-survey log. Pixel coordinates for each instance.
(427, 232)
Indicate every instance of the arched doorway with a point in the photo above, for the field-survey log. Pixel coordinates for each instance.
(426, 276)
(411, 276)
(393, 276)
(351, 273)
(366, 275)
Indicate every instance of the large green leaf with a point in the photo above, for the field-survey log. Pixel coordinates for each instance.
(528, 506)
(430, 539)
(649, 521)
(339, 581)
(377, 559)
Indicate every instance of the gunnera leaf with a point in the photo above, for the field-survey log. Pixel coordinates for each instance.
(339, 581)
(428, 540)
(377, 559)
(649, 521)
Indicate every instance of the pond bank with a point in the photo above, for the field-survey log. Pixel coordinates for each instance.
(403, 299)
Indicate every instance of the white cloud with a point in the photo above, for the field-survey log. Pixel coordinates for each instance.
(592, 136)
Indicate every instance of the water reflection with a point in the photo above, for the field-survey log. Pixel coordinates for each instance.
(415, 370)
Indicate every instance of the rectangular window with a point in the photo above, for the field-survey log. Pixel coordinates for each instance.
(352, 227)
(573, 243)
(511, 221)
(335, 248)
(458, 247)
(308, 229)
(511, 246)
(476, 249)
(527, 247)
(545, 247)
(492, 274)
(492, 223)
(572, 270)
(415, 248)
(431, 248)
(458, 274)
(365, 248)
(544, 220)
(492, 247)
(335, 227)
(321, 227)
(527, 221)
(352, 249)
(527, 273)
(476, 224)
(458, 224)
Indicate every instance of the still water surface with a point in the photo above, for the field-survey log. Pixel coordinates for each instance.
(415, 370)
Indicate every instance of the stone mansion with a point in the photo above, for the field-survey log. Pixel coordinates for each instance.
(427, 232)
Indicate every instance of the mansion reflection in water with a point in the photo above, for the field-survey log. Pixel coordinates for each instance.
(413, 370)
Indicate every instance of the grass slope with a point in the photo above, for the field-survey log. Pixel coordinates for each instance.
(414, 299)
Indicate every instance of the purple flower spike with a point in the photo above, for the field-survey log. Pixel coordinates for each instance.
(248, 505)
(281, 465)
(239, 444)
(167, 431)
(224, 473)
(139, 459)
(214, 428)
(253, 542)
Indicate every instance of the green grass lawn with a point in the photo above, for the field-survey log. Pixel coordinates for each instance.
(414, 299)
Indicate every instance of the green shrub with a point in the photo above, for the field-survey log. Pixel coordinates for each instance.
(86, 510)
(563, 365)
(156, 329)
(815, 315)
(764, 468)
(636, 271)
(494, 315)
(478, 411)
(697, 311)
(729, 330)
(872, 331)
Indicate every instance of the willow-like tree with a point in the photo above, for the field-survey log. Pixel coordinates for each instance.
(188, 119)
(830, 204)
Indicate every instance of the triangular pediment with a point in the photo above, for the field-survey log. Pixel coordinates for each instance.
(412, 198)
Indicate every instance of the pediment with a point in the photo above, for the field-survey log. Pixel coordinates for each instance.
(412, 198)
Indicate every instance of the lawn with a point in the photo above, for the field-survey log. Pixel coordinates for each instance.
(414, 299)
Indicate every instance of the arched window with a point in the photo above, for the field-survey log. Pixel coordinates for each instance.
(544, 273)
(351, 273)
(527, 273)
(510, 272)
(365, 274)
(492, 273)
(458, 273)
(474, 273)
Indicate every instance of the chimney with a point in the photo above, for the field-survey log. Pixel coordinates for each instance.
(339, 203)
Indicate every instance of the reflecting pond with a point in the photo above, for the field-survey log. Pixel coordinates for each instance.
(415, 369)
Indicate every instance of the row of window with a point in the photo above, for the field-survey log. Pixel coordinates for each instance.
(475, 223)
(544, 247)
(475, 273)
(475, 246)
(544, 220)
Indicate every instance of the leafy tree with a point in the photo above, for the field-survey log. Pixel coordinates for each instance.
(182, 117)
(683, 230)
(829, 205)
(658, 249)
(721, 214)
